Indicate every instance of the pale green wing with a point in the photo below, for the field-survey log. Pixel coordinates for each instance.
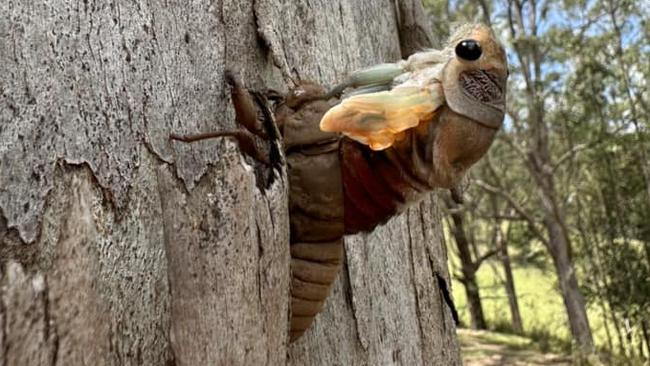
(377, 119)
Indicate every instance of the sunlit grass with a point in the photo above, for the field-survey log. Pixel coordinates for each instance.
(539, 302)
(542, 311)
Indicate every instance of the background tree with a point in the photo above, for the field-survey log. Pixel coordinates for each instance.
(571, 165)
(468, 256)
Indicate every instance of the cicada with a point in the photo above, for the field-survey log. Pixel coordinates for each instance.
(377, 143)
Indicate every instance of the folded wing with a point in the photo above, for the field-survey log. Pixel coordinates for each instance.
(379, 119)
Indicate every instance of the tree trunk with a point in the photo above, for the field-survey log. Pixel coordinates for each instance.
(121, 248)
(468, 266)
(622, 346)
(509, 283)
(646, 336)
(539, 163)
(573, 300)
(554, 221)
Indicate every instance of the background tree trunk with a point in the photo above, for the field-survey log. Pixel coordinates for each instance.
(468, 266)
(119, 247)
(501, 242)
(539, 165)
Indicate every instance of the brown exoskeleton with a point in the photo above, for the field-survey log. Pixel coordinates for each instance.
(403, 130)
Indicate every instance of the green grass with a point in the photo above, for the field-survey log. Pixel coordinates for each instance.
(539, 302)
(542, 311)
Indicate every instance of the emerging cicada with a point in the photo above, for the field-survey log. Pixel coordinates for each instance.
(399, 131)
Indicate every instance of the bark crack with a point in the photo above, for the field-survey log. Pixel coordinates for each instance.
(106, 191)
(171, 361)
(222, 20)
(26, 254)
(441, 281)
(260, 254)
(260, 277)
(9, 234)
(267, 44)
(4, 345)
(349, 297)
(446, 295)
(416, 293)
(144, 137)
(49, 329)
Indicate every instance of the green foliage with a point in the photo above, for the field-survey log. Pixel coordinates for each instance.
(445, 15)
(628, 287)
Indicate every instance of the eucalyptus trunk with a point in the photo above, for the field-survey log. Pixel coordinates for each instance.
(574, 302)
(468, 266)
(509, 283)
(118, 247)
(539, 163)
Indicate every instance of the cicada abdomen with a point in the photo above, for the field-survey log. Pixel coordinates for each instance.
(317, 228)
(315, 204)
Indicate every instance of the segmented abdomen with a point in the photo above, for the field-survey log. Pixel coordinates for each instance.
(316, 217)
(336, 188)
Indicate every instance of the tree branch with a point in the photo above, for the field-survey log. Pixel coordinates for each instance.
(570, 153)
(513, 203)
(482, 258)
(485, 9)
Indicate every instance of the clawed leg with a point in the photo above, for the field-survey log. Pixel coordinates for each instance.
(246, 111)
(253, 139)
(248, 143)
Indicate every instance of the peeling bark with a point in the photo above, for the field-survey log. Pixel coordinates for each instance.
(118, 247)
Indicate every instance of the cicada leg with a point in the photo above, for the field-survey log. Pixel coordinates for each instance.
(253, 138)
(375, 78)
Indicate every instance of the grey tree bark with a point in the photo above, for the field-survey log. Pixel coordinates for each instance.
(118, 247)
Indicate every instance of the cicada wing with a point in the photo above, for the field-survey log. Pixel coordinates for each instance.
(378, 119)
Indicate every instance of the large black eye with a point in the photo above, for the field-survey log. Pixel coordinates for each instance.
(468, 50)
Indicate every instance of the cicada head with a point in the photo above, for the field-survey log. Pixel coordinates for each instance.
(474, 79)
(468, 76)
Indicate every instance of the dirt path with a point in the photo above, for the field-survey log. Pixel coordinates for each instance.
(482, 348)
